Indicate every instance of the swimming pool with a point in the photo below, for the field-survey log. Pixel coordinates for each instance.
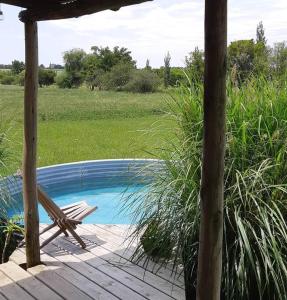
(106, 184)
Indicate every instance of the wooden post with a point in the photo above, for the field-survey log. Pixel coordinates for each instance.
(30, 146)
(212, 186)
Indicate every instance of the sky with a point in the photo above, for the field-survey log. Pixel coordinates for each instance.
(148, 30)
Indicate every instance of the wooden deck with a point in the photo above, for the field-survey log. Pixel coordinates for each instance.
(102, 271)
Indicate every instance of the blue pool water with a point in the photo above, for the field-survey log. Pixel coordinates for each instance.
(106, 184)
(108, 197)
(109, 202)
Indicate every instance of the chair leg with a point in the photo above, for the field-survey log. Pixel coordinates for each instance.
(41, 232)
(74, 234)
(52, 237)
(66, 233)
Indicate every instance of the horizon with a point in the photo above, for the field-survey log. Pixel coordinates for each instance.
(148, 30)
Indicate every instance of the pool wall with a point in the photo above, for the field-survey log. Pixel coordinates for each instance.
(99, 170)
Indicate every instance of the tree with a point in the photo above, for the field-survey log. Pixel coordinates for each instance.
(177, 75)
(262, 52)
(167, 59)
(93, 74)
(195, 64)
(241, 55)
(279, 59)
(147, 65)
(260, 34)
(17, 67)
(108, 58)
(74, 66)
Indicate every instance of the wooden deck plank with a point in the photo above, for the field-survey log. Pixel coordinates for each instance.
(113, 286)
(120, 247)
(119, 230)
(29, 283)
(79, 261)
(102, 271)
(134, 270)
(85, 284)
(121, 234)
(118, 256)
(64, 288)
(113, 271)
(11, 290)
(2, 296)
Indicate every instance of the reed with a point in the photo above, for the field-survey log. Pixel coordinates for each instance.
(255, 229)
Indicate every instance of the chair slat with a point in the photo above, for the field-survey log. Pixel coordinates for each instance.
(65, 218)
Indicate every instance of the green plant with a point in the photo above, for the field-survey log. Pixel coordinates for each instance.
(152, 240)
(64, 80)
(6, 77)
(143, 81)
(255, 228)
(21, 78)
(118, 77)
(10, 228)
(177, 76)
(46, 77)
(195, 64)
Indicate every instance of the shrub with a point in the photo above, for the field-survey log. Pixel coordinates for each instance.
(118, 77)
(8, 78)
(46, 77)
(143, 81)
(255, 219)
(64, 80)
(177, 76)
(151, 238)
(2, 74)
(21, 78)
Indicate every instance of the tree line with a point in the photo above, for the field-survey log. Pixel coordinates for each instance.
(115, 69)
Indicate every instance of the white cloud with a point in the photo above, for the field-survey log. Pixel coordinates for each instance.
(151, 29)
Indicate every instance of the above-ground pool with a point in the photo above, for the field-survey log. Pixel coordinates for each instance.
(106, 184)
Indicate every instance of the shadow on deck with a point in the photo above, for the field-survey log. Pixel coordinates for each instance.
(101, 271)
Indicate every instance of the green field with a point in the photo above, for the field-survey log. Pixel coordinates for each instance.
(78, 124)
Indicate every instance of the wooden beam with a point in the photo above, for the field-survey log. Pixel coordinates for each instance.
(15, 3)
(212, 186)
(30, 3)
(74, 9)
(30, 146)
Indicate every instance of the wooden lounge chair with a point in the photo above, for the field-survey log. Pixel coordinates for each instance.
(66, 218)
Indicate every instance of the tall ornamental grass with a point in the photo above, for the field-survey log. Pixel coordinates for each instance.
(255, 231)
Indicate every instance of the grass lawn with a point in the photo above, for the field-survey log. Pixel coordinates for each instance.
(79, 124)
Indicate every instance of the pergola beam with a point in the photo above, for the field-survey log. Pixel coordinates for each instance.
(73, 10)
(212, 183)
(30, 146)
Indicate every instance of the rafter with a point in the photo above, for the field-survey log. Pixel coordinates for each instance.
(57, 9)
